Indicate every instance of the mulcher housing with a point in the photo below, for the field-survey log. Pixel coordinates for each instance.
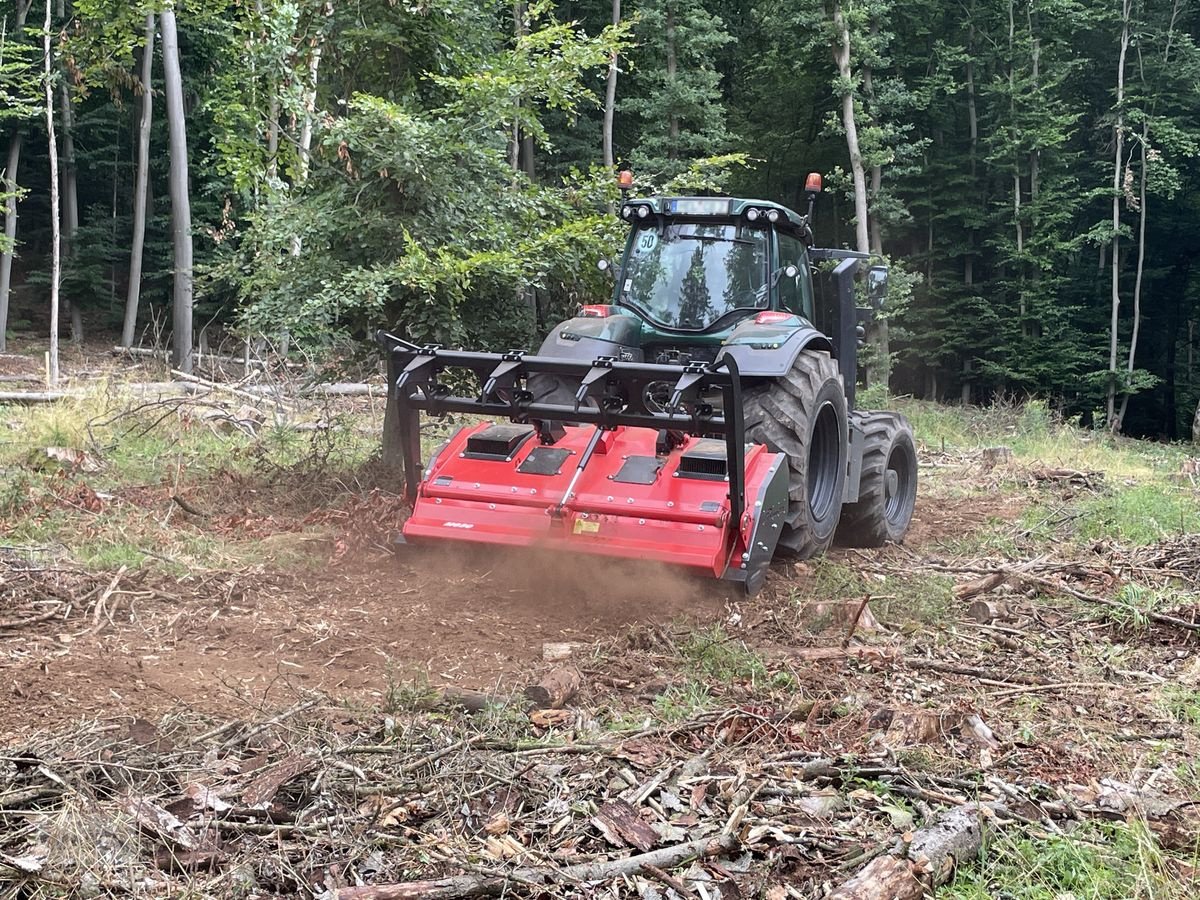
(640, 429)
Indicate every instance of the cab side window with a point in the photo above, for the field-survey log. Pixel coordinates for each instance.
(794, 293)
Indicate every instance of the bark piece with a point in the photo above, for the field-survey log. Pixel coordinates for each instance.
(264, 788)
(620, 823)
(557, 651)
(156, 821)
(555, 689)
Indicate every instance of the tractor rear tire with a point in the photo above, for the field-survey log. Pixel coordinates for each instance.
(803, 415)
(887, 493)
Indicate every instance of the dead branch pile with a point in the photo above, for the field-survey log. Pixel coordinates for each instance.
(311, 802)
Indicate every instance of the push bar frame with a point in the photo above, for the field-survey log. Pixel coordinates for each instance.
(616, 388)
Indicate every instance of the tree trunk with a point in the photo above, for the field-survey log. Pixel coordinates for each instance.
(181, 206)
(140, 210)
(841, 55)
(10, 230)
(1137, 281)
(10, 203)
(610, 95)
(70, 185)
(1118, 158)
(673, 119)
(55, 227)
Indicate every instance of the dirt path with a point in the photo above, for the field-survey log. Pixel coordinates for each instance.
(356, 630)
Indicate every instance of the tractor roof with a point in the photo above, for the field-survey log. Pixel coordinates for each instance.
(717, 207)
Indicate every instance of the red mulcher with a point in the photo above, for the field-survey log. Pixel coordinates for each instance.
(627, 481)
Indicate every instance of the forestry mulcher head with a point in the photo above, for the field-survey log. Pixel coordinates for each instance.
(703, 417)
(629, 477)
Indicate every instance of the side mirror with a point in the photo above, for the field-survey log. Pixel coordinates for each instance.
(877, 285)
(791, 271)
(603, 265)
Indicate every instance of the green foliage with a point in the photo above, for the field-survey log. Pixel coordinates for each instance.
(676, 98)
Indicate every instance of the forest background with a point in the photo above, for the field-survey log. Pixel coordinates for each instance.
(309, 170)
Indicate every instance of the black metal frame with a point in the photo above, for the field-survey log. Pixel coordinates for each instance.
(616, 388)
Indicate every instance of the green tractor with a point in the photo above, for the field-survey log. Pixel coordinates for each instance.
(715, 329)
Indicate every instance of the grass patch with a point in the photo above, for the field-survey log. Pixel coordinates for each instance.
(1139, 515)
(1181, 703)
(149, 452)
(681, 702)
(897, 598)
(1095, 862)
(1035, 432)
(712, 653)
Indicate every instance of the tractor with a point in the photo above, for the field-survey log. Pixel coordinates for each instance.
(703, 417)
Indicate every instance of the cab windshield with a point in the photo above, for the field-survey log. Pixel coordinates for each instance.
(689, 274)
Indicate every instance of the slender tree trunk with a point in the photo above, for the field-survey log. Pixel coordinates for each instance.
(310, 108)
(55, 227)
(610, 94)
(10, 231)
(272, 113)
(70, 184)
(841, 55)
(140, 205)
(973, 132)
(10, 204)
(1118, 159)
(1137, 281)
(181, 206)
(673, 119)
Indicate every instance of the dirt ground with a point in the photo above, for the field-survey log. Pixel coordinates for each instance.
(359, 628)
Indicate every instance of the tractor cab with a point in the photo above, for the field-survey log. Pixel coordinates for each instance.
(699, 265)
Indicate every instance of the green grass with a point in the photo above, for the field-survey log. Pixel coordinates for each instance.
(1035, 433)
(1139, 515)
(714, 654)
(915, 598)
(1093, 862)
(679, 703)
(150, 452)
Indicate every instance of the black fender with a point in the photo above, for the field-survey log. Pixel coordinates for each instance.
(768, 350)
(590, 337)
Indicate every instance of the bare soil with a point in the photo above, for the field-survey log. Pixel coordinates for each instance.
(358, 627)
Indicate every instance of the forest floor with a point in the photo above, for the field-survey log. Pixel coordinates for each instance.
(220, 680)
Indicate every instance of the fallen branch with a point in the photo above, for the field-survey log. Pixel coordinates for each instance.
(988, 677)
(459, 886)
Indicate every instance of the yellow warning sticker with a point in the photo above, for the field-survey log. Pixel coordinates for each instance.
(583, 526)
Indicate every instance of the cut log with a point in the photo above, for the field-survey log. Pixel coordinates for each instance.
(985, 612)
(36, 396)
(491, 885)
(555, 689)
(931, 856)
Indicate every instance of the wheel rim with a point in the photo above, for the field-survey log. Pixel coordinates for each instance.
(823, 458)
(898, 483)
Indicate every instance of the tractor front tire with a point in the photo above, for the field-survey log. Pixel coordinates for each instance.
(803, 415)
(887, 492)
